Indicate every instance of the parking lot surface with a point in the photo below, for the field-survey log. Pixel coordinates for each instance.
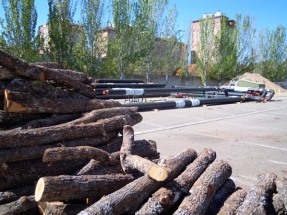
(251, 136)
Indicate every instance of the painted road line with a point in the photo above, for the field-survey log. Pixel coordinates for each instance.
(277, 162)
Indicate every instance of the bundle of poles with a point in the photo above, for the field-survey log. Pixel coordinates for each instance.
(62, 151)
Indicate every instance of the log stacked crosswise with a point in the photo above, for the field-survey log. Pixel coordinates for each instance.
(65, 152)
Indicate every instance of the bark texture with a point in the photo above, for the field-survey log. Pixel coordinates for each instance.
(204, 189)
(276, 206)
(5, 74)
(13, 195)
(129, 198)
(256, 201)
(163, 199)
(15, 102)
(233, 202)
(97, 168)
(40, 136)
(23, 204)
(57, 208)
(281, 188)
(67, 187)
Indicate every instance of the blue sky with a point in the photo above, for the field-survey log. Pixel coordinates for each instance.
(267, 13)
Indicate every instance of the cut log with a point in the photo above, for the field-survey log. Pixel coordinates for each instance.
(133, 162)
(204, 189)
(51, 65)
(15, 102)
(281, 188)
(129, 198)
(256, 201)
(24, 173)
(60, 208)
(23, 204)
(11, 119)
(233, 202)
(77, 153)
(220, 197)
(42, 73)
(41, 136)
(167, 196)
(5, 74)
(67, 187)
(13, 195)
(276, 206)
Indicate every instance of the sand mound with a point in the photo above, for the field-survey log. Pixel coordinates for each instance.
(260, 79)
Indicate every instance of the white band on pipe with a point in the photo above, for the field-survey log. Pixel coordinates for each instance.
(195, 102)
(180, 104)
(131, 91)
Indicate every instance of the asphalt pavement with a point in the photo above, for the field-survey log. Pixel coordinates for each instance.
(250, 136)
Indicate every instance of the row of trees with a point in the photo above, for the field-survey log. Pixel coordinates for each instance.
(237, 49)
(147, 41)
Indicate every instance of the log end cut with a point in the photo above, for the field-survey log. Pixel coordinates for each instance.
(40, 187)
(11, 106)
(158, 173)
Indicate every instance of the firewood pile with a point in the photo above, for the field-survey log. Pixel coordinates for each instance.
(62, 151)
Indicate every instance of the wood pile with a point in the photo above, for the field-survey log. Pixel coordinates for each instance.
(62, 151)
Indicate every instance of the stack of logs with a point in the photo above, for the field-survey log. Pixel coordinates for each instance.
(62, 151)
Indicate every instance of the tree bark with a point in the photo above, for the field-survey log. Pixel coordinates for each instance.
(281, 188)
(67, 187)
(220, 197)
(129, 198)
(163, 199)
(60, 208)
(15, 102)
(21, 205)
(3, 86)
(11, 119)
(77, 153)
(24, 173)
(51, 65)
(41, 136)
(13, 195)
(5, 74)
(256, 200)
(233, 202)
(204, 189)
(131, 162)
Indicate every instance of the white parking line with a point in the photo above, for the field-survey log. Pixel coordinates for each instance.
(277, 162)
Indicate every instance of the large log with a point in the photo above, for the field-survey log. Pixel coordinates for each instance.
(15, 102)
(51, 65)
(167, 196)
(77, 153)
(23, 204)
(42, 73)
(11, 119)
(220, 197)
(233, 202)
(13, 195)
(36, 152)
(41, 136)
(281, 188)
(129, 198)
(60, 208)
(5, 74)
(67, 187)
(276, 205)
(256, 201)
(24, 173)
(132, 162)
(204, 189)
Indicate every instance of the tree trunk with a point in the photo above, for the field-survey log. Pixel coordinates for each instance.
(256, 201)
(220, 197)
(204, 189)
(129, 198)
(42, 73)
(41, 136)
(25, 173)
(276, 206)
(233, 202)
(281, 188)
(163, 199)
(97, 168)
(11, 119)
(15, 102)
(21, 205)
(60, 208)
(51, 65)
(13, 195)
(6, 74)
(67, 187)
(77, 153)
(131, 162)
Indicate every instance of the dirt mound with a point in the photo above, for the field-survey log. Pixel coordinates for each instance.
(260, 79)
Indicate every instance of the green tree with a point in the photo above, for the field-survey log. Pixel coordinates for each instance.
(18, 35)
(63, 33)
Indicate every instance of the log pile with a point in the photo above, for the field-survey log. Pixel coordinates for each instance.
(62, 151)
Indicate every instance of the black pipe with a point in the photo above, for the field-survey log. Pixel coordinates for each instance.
(127, 85)
(125, 97)
(119, 81)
